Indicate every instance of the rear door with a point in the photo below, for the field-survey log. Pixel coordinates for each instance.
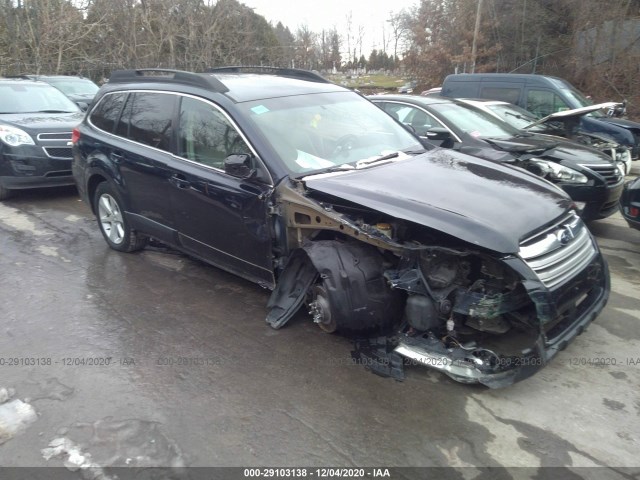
(147, 122)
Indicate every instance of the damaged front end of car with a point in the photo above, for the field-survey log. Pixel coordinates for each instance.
(426, 282)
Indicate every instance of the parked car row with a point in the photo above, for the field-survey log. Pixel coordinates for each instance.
(559, 125)
(543, 96)
(476, 266)
(589, 176)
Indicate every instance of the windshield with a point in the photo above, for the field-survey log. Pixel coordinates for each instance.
(473, 121)
(515, 116)
(324, 130)
(74, 86)
(32, 98)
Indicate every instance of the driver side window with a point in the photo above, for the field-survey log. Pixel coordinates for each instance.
(205, 135)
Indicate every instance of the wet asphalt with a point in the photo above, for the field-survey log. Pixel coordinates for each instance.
(155, 359)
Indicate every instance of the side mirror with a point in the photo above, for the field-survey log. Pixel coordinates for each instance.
(83, 106)
(239, 165)
(438, 133)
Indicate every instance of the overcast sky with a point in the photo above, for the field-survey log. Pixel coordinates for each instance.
(325, 14)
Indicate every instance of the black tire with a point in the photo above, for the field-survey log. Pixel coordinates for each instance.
(113, 224)
(4, 193)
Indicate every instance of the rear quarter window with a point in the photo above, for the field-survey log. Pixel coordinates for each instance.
(150, 119)
(106, 113)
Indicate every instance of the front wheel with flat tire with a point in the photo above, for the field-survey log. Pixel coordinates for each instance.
(115, 229)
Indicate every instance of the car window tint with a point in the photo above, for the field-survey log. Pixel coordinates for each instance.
(544, 102)
(205, 135)
(510, 95)
(106, 113)
(151, 119)
(122, 128)
(420, 120)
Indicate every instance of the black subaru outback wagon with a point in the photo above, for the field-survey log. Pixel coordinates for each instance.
(311, 190)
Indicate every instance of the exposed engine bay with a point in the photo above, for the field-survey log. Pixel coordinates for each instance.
(360, 272)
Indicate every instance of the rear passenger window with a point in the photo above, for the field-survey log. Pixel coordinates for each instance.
(148, 117)
(510, 95)
(205, 135)
(544, 102)
(106, 114)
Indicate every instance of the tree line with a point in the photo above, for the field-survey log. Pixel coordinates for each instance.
(593, 43)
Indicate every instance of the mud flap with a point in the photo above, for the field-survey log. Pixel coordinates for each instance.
(289, 295)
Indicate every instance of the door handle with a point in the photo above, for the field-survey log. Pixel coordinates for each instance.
(179, 180)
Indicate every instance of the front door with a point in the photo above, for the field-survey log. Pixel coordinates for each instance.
(221, 218)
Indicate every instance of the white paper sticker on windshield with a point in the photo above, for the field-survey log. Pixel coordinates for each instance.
(306, 160)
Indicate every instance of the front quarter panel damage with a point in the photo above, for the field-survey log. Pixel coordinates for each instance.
(476, 315)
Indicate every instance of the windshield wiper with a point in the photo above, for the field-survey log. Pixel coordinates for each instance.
(521, 117)
(370, 161)
(344, 167)
(52, 111)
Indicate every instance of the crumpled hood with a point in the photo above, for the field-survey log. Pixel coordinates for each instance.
(481, 202)
(552, 148)
(576, 112)
(40, 122)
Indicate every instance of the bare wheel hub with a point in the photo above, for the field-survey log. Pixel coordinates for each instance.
(320, 309)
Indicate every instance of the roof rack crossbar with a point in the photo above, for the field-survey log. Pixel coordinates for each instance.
(265, 70)
(168, 75)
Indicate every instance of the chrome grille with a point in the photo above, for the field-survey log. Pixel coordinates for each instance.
(609, 172)
(61, 136)
(58, 152)
(560, 252)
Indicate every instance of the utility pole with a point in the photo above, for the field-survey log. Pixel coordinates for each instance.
(475, 37)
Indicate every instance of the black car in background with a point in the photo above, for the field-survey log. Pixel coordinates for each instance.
(35, 136)
(562, 124)
(630, 203)
(589, 176)
(543, 95)
(81, 90)
(478, 269)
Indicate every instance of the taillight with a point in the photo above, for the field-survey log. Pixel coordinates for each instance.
(75, 135)
(634, 211)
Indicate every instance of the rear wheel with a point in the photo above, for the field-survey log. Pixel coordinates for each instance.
(115, 229)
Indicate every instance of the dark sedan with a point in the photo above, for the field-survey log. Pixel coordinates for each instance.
(35, 136)
(589, 176)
